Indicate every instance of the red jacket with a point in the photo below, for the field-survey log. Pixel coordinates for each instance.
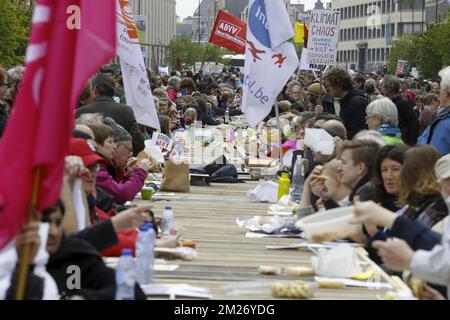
(127, 239)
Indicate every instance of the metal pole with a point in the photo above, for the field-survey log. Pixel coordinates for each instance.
(423, 10)
(436, 11)
(199, 22)
(280, 132)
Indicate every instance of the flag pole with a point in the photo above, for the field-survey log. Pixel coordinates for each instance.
(204, 57)
(280, 150)
(24, 261)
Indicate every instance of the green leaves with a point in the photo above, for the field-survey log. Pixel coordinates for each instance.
(15, 19)
(427, 51)
(189, 52)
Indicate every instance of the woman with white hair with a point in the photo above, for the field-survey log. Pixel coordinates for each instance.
(382, 115)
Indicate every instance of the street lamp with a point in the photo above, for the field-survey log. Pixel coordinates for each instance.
(199, 21)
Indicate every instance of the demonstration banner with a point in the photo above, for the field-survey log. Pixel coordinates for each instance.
(229, 32)
(402, 67)
(323, 37)
(138, 92)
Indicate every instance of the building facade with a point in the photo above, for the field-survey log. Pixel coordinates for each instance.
(368, 29)
(161, 23)
(200, 25)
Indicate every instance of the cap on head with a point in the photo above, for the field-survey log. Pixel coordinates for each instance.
(442, 168)
(315, 89)
(80, 147)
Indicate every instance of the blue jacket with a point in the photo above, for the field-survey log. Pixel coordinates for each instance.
(438, 132)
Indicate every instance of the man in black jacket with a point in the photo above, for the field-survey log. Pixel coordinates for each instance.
(353, 101)
(104, 88)
(407, 118)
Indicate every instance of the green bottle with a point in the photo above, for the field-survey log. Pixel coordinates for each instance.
(283, 185)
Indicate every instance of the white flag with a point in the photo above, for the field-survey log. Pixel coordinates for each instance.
(138, 92)
(270, 59)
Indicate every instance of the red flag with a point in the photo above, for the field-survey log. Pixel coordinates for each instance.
(229, 32)
(70, 40)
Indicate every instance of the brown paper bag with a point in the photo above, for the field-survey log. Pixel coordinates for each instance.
(176, 177)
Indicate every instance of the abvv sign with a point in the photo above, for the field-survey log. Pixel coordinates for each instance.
(229, 32)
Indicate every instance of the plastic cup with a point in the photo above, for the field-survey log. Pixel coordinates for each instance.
(146, 193)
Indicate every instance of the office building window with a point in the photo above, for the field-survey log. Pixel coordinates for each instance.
(387, 53)
(365, 32)
(340, 35)
(378, 55)
(361, 30)
(353, 56)
(369, 33)
(353, 33)
(369, 56)
(357, 34)
(353, 11)
(383, 30)
(378, 32)
(382, 54)
(356, 11)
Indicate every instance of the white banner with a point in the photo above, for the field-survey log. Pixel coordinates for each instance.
(270, 59)
(134, 74)
(163, 71)
(323, 37)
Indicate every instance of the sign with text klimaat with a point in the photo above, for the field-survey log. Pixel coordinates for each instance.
(323, 37)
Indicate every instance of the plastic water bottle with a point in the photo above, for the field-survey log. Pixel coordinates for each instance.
(227, 115)
(167, 220)
(298, 180)
(145, 245)
(125, 276)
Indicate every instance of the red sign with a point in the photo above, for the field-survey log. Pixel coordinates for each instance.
(229, 32)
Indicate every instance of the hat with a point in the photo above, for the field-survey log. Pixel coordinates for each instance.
(80, 147)
(442, 168)
(314, 89)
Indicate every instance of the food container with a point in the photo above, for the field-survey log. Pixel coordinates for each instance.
(329, 225)
(319, 141)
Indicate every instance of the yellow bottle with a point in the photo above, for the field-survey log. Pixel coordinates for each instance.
(283, 185)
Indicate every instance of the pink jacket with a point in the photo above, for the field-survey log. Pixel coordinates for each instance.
(124, 190)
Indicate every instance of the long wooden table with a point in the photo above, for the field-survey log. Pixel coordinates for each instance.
(226, 257)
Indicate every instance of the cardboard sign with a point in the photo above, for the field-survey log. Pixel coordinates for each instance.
(162, 141)
(323, 37)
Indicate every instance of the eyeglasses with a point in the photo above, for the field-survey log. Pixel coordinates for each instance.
(130, 150)
(94, 168)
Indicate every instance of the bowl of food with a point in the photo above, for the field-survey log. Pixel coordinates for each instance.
(329, 225)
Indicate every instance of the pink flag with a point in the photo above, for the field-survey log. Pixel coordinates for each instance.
(70, 40)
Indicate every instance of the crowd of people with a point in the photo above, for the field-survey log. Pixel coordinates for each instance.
(391, 160)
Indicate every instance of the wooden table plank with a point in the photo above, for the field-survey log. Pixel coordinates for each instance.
(208, 217)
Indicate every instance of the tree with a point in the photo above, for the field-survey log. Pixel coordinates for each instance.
(427, 51)
(15, 17)
(189, 52)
